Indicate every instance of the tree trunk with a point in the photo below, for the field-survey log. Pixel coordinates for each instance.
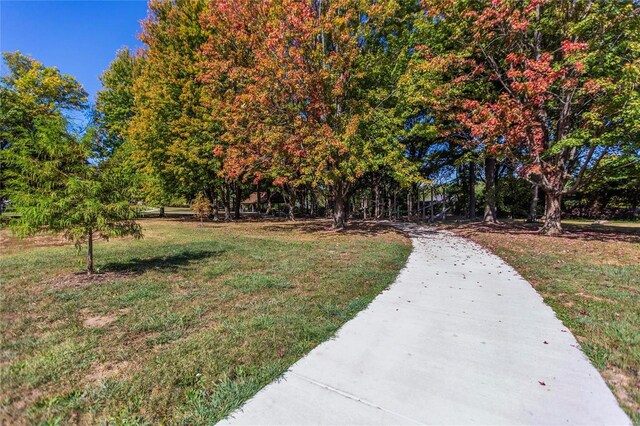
(376, 208)
(431, 204)
(213, 199)
(338, 213)
(162, 211)
(553, 216)
(365, 206)
(258, 200)
(472, 191)
(237, 200)
(444, 203)
(339, 201)
(226, 201)
(291, 202)
(268, 211)
(216, 208)
(415, 198)
(90, 252)
(395, 213)
(490, 215)
(533, 207)
(409, 205)
(312, 203)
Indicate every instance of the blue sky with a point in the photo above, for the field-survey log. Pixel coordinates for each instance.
(79, 37)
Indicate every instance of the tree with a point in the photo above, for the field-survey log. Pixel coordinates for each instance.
(564, 84)
(307, 90)
(114, 107)
(362, 51)
(172, 134)
(55, 190)
(615, 192)
(201, 207)
(30, 92)
(260, 83)
(50, 181)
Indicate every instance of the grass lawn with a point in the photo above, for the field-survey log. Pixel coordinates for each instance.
(182, 326)
(168, 211)
(591, 279)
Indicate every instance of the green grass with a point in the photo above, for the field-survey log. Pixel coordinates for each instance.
(168, 211)
(605, 223)
(184, 325)
(627, 226)
(591, 279)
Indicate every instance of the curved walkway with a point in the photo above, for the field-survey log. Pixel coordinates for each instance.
(459, 338)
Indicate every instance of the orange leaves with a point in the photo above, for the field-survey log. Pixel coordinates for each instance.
(592, 86)
(514, 58)
(218, 151)
(534, 4)
(256, 63)
(279, 75)
(531, 94)
(569, 47)
(280, 181)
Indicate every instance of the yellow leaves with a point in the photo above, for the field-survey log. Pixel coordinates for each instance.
(352, 126)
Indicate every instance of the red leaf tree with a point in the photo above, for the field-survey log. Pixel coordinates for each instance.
(264, 89)
(559, 83)
(291, 81)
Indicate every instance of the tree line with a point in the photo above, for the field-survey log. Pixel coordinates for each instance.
(350, 98)
(351, 108)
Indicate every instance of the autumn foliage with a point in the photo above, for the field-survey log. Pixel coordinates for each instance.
(336, 96)
(286, 80)
(549, 86)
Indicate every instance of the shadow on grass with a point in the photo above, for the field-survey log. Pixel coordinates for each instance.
(324, 226)
(284, 225)
(169, 262)
(571, 231)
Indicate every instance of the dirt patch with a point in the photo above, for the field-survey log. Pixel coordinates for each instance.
(102, 371)
(79, 280)
(592, 297)
(12, 413)
(10, 244)
(621, 382)
(98, 321)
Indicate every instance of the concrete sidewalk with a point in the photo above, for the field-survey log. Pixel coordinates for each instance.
(459, 338)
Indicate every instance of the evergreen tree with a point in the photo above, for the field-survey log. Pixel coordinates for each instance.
(50, 179)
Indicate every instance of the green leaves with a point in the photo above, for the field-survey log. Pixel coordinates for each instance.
(50, 180)
(538, 82)
(172, 132)
(115, 102)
